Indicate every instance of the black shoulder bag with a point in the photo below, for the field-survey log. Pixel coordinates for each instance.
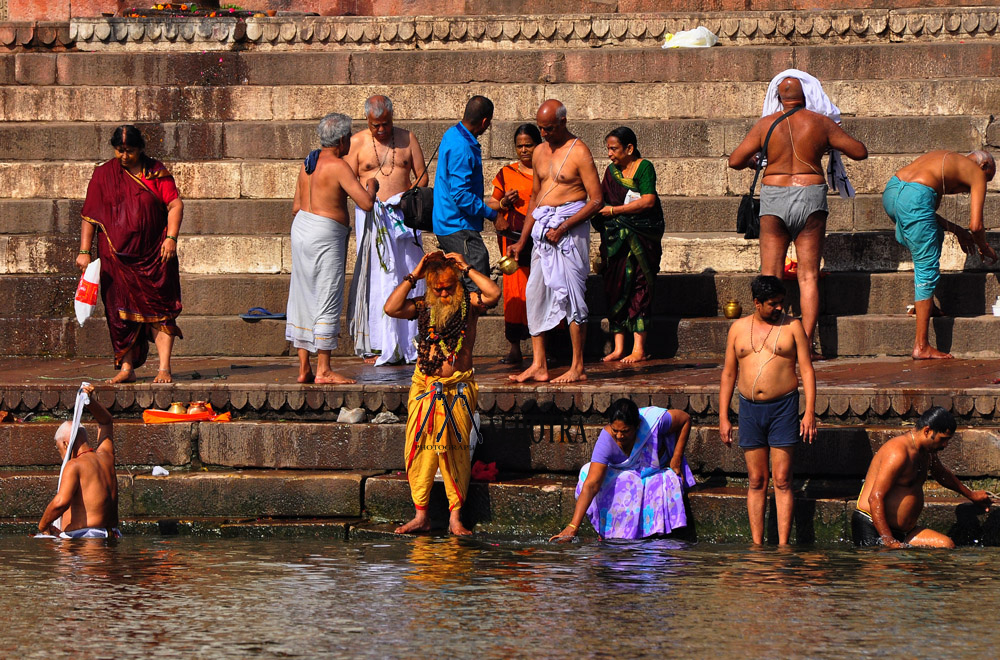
(417, 204)
(748, 217)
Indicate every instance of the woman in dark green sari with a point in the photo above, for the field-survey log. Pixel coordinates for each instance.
(631, 228)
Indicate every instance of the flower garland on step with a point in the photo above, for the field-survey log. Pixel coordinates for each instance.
(448, 339)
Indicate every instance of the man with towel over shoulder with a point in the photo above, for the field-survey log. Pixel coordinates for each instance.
(87, 499)
(565, 194)
(793, 205)
(319, 247)
(387, 249)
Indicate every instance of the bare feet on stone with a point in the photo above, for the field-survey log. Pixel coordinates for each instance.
(539, 374)
(370, 359)
(305, 377)
(614, 356)
(123, 376)
(455, 525)
(635, 357)
(162, 376)
(513, 357)
(331, 378)
(571, 376)
(420, 523)
(930, 353)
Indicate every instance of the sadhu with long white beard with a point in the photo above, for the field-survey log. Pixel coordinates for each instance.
(443, 395)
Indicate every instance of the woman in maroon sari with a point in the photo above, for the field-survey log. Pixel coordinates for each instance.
(133, 202)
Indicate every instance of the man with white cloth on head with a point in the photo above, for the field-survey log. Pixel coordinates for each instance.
(566, 192)
(387, 250)
(87, 500)
(793, 195)
(319, 248)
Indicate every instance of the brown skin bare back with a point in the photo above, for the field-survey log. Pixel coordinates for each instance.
(795, 158)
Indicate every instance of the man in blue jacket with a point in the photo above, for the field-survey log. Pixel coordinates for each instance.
(458, 187)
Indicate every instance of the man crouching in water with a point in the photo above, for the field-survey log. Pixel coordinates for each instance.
(88, 496)
(443, 395)
(763, 350)
(893, 494)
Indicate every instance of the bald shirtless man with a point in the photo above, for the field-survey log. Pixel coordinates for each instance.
(911, 199)
(87, 499)
(319, 246)
(387, 249)
(763, 350)
(893, 493)
(566, 192)
(793, 206)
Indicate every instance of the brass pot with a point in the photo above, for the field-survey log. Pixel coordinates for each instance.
(197, 407)
(507, 265)
(732, 309)
(177, 408)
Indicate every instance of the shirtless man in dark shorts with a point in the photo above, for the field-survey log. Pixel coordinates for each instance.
(763, 350)
(893, 494)
(793, 205)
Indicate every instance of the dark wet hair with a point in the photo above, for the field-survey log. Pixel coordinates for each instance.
(766, 287)
(626, 136)
(129, 136)
(624, 410)
(938, 419)
(531, 131)
(477, 109)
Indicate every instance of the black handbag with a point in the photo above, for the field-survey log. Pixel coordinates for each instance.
(748, 215)
(417, 204)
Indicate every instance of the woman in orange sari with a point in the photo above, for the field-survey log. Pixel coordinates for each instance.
(133, 202)
(511, 192)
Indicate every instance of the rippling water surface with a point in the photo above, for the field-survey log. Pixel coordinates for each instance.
(429, 597)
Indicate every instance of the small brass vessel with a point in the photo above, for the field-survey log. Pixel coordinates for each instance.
(177, 408)
(732, 309)
(197, 407)
(507, 265)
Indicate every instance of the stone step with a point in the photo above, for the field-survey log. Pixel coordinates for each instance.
(515, 444)
(515, 101)
(242, 494)
(541, 505)
(677, 294)
(975, 59)
(222, 217)
(290, 140)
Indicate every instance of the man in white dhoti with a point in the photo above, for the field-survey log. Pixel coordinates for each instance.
(566, 192)
(387, 250)
(793, 204)
(319, 246)
(87, 500)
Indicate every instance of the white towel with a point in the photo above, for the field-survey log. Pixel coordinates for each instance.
(819, 102)
(82, 401)
(316, 288)
(557, 283)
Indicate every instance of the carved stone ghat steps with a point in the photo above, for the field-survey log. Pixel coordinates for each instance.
(510, 32)
(173, 142)
(873, 391)
(684, 295)
(271, 217)
(515, 101)
(540, 443)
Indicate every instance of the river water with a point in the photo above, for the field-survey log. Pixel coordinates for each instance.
(442, 597)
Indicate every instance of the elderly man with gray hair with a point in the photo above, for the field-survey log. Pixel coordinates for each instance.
(911, 199)
(87, 500)
(319, 247)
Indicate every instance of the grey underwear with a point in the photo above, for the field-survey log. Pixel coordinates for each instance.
(793, 204)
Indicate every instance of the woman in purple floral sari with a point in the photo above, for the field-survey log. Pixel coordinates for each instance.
(634, 485)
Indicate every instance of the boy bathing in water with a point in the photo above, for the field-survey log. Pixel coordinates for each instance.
(763, 350)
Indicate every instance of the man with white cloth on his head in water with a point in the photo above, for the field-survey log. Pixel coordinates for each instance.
(87, 499)
(565, 194)
(387, 249)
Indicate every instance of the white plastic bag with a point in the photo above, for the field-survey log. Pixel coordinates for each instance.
(700, 37)
(86, 291)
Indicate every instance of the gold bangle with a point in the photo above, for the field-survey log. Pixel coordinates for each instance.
(84, 251)
(572, 525)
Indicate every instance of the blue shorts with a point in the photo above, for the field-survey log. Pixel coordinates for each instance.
(772, 423)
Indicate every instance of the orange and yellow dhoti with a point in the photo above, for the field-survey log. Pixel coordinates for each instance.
(438, 424)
